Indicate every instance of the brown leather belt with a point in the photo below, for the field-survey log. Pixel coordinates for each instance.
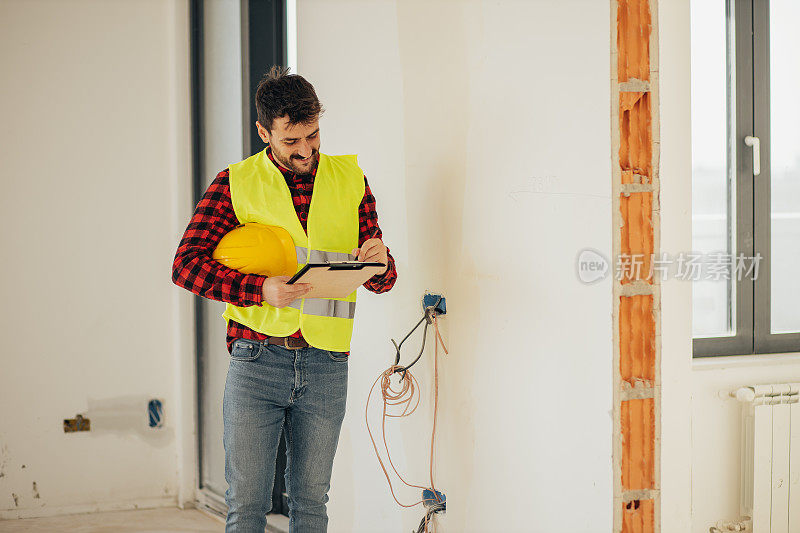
(292, 343)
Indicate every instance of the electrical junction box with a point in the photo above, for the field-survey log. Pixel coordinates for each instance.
(429, 498)
(430, 299)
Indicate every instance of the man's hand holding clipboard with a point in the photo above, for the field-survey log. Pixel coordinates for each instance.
(277, 293)
(330, 279)
(338, 279)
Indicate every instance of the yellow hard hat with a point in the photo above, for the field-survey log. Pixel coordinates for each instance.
(254, 248)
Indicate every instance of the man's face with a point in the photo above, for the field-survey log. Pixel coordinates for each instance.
(296, 147)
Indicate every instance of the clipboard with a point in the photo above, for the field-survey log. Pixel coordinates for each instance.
(335, 279)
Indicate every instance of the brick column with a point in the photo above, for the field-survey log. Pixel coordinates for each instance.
(636, 290)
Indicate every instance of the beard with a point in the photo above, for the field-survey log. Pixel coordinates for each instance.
(294, 165)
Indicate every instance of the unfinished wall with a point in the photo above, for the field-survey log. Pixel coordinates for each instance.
(484, 132)
(95, 162)
(636, 292)
(469, 139)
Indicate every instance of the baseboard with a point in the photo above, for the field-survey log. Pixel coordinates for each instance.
(100, 507)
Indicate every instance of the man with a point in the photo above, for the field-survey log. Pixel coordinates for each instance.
(277, 378)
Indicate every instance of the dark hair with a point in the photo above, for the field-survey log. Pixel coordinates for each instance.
(280, 93)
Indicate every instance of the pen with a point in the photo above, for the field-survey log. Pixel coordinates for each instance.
(371, 237)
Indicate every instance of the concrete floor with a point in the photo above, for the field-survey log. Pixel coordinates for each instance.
(140, 521)
(166, 520)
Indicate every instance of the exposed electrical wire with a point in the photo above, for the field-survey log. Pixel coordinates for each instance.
(430, 314)
(428, 518)
(407, 397)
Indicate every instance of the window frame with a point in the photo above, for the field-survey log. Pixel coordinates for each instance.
(748, 37)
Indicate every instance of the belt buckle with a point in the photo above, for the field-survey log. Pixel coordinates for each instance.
(286, 344)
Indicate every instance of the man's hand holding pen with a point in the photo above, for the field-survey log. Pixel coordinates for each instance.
(373, 250)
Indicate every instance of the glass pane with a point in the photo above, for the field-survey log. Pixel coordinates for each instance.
(221, 91)
(784, 68)
(713, 221)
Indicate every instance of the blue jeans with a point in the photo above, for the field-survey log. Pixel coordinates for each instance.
(269, 387)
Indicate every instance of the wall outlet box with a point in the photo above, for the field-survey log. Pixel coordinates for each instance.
(430, 299)
(429, 499)
(77, 424)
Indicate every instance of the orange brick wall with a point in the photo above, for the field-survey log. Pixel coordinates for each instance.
(637, 356)
(634, 113)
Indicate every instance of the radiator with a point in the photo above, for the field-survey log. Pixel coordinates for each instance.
(770, 477)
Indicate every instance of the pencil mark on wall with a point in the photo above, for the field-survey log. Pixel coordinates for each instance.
(547, 185)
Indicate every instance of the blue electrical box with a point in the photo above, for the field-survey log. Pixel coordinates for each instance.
(429, 499)
(155, 413)
(429, 300)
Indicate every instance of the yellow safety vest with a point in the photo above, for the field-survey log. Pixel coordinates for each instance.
(259, 194)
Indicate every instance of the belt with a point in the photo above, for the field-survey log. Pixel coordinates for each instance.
(292, 343)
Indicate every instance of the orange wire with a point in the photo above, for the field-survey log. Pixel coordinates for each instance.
(435, 392)
(404, 396)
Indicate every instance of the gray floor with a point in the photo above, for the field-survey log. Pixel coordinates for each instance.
(144, 520)
(140, 521)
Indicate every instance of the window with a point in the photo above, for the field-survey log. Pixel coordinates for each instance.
(746, 175)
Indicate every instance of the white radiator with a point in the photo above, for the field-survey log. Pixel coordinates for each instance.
(770, 482)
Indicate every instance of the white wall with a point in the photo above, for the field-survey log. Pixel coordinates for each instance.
(675, 202)
(95, 163)
(483, 129)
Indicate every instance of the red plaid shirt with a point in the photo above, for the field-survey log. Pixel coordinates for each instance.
(194, 270)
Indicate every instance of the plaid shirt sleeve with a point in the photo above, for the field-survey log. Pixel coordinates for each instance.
(367, 223)
(195, 270)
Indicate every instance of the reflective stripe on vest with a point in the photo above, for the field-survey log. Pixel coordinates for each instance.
(259, 193)
(319, 256)
(329, 307)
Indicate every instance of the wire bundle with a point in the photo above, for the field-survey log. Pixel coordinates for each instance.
(406, 395)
